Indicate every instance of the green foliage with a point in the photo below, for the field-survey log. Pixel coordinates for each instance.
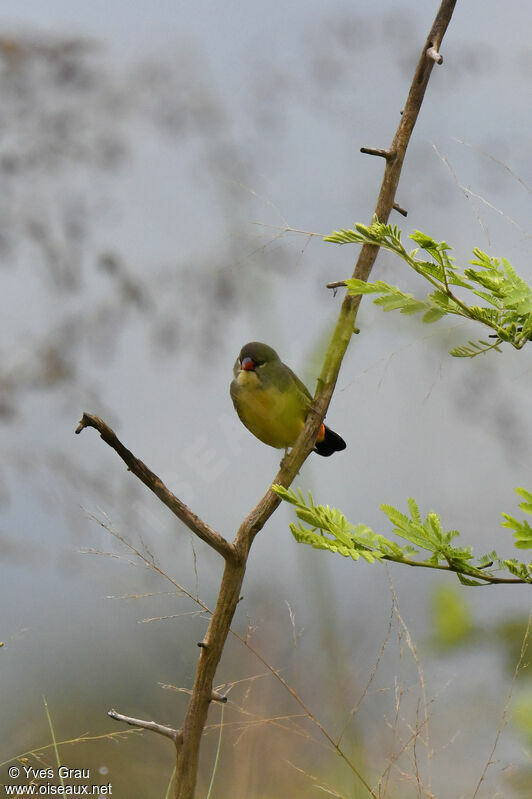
(522, 530)
(507, 297)
(329, 529)
(452, 622)
(336, 533)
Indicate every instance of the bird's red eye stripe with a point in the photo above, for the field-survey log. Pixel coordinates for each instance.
(248, 364)
(321, 433)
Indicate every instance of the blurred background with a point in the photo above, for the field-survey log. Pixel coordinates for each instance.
(165, 168)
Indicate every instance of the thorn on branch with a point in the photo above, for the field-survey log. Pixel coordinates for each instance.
(376, 151)
(434, 54)
(400, 210)
(336, 284)
(152, 726)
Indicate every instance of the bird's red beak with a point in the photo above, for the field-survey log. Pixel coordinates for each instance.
(248, 364)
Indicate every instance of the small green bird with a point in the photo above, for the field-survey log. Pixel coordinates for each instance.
(272, 402)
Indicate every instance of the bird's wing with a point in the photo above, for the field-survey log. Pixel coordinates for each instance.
(302, 389)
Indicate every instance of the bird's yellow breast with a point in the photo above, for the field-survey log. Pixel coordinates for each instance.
(275, 417)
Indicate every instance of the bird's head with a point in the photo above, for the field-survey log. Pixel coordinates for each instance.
(254, 355)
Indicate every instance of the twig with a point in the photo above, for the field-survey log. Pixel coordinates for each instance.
(36, 753)
(400, 210)
(54, 741)
(413, 652)
(155, 484)
(243, 639)
(308, 713)
(167, 732)
(372, 676)
(490, 579)
(469, 194)
(336, 284)
(217, 758)
(504, 719)
(513, 174)
(376, 151)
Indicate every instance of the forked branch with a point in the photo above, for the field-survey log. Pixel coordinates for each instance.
(236, 553)
(155, 484)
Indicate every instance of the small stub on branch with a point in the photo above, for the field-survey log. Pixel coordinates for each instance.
(376, 151)
(336, 284)
(216, 697)
(400, 210)
(435, 55)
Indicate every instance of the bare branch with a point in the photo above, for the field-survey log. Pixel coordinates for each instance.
(155, 484)
(504, 719)
(168, 732)
(376, 151)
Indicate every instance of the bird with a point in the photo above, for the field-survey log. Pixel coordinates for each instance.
(272, 402)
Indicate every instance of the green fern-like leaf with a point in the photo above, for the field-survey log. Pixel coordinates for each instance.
(343, 237)
(474, 349)
(521, 570)
(417, 533)
(330, 530)
(336, 534)
(468, 580)
(356, 286)
(522, 529)
(392, 298)
(525, 506)
(508, 298)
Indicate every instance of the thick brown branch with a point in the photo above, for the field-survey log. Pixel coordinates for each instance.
(385, 202)
(202, 692)
(291, 464)
(152, 726)
(236, 553)
(155, 484)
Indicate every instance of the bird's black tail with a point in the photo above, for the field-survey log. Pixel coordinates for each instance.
(328, 442)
